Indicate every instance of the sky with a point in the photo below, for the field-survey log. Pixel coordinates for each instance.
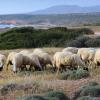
(24, 6)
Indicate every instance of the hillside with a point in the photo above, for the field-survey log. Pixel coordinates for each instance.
(62, 19)
(28, 37)
(66, 9)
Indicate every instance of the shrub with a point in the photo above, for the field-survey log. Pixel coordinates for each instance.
(80, 73)
(93, 43)
(92, 83)
(79, 41)
(88, 98)
(28, 37)
(74, 43)
(52, 95)
(31, 98)
(59, 95)
(75, 74)
(91, 89)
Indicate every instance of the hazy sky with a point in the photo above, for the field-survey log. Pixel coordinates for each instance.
(22, 6)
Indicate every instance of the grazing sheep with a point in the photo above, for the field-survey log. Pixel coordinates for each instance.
(9, 58)
(87, 54)
(30, 59)
(62, 59)
(77, 61)
(43, 57)
(71, 49)
(2, 61)
(34, 61)
(17, 61)
(24, 52)
(38, 50)
(97, 57)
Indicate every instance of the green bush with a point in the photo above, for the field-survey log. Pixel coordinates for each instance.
(91, 89)
(55, 94)
(79, 41)
(93, 43)
(88, 98)
(31, 98)
(28, 37)
(52, 95)
(92, 83)
(74, 43)
(75, 74)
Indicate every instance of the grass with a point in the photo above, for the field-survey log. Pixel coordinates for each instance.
(44, 81)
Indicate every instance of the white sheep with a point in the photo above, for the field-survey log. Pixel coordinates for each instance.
(38, 50)
(24, 52)
(70, 49)
(87, 54)
(97, 57)
(9, 58)
(30, 59)
(44, 59)
(62, 59)
(17, 62)
(2, 61)
(34, 61)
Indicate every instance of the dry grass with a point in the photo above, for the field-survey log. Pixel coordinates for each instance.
(46, 80)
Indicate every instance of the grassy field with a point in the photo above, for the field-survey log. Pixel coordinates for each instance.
(26, 83)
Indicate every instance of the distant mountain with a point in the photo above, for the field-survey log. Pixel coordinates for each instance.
(66, 9)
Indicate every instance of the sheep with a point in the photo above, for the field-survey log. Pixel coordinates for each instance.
(17, 62)
(44, 58)
(78, 62)
(9, 58)
(87, 54)
(34, 61)
(71, 49)
(97, 57)
(67, 59)
(30, 59)
(2, 61)
(24, 52)
(38, 50)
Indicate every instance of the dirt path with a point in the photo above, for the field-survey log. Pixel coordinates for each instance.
(68, 86)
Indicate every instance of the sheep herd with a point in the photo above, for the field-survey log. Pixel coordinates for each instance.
(68, 58)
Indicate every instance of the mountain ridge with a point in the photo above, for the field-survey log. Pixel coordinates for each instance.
(67, 9)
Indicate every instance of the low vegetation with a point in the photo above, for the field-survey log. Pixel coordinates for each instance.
(85, 41)
(75, 74)
(90, 90)
(28, 37)
(52, 95)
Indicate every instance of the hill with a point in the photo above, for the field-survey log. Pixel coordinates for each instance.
(66, 9)
(47, 20)
(28, 37)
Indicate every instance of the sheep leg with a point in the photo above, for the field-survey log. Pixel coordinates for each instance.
(7, 66)
(58, 69)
